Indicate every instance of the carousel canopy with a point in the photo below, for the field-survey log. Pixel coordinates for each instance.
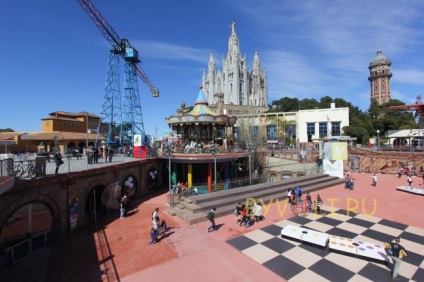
(202, 114)
(201, 106)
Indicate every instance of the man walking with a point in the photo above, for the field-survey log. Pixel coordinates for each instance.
(397, 252)
(374, 180)
(211, 217)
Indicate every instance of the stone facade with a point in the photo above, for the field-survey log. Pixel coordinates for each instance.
(379, 78)
(59, 192)
(242, 89)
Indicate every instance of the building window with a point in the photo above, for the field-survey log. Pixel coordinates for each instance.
(322, 130)
(236, 131)
(255, 132)
(310, 130)
(271, 132)
(47, 123)
(335, 129)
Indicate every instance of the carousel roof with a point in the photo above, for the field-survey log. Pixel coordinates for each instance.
(201, 113)
(201, 106)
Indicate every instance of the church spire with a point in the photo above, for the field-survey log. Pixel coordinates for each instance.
(211, 67)
(256, 62)
(233, 44)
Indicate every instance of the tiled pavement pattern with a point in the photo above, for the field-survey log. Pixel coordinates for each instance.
(296, 261)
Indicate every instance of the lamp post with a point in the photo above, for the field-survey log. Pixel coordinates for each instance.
(378, 140)
(250, 151)
(214, 151)
(169, 153)
(322, 154)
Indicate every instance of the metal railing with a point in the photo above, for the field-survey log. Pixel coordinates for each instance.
(27, 247)
(6, 168)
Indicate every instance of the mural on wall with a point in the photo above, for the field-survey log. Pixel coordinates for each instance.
(152, 180)
(385, 161)
(129, 186)
(333, 168)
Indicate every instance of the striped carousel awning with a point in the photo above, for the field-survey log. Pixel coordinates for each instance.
(201, 106)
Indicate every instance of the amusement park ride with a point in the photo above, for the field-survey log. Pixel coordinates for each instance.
(124, 111)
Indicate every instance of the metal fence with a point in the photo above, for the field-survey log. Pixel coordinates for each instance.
(32, 166)
(27, 247)
(6, 168)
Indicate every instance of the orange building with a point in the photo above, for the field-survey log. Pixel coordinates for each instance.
(62, 130)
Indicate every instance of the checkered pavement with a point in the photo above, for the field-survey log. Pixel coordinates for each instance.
(296, 261)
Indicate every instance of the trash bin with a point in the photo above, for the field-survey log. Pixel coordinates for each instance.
(40, 165)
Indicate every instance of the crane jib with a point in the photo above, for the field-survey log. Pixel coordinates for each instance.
(121, 46)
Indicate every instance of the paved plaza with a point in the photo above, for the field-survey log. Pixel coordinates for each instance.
(118, 250)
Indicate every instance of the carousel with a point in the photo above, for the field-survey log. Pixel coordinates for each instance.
(199, 151)
(197, 128)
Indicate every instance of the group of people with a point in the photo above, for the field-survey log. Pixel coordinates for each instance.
(158, 227)
(349, 182)
(182, 189)
(96, 152)
(247, 214)
(296, 201)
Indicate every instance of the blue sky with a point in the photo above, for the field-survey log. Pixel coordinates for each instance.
(53, 58)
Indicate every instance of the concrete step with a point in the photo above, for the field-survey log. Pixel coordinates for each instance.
(296, 181)
(193, 212)
(280, 191)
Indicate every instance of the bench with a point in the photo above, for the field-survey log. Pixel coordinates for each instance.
(338, 244)
(305, 235)
(408, 189)
(358, 248)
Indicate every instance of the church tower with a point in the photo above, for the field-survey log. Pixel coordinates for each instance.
(380, 78)
(239, 86)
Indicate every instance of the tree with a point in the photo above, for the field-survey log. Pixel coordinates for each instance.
(6, 130)
(385, 120)
(361, 134)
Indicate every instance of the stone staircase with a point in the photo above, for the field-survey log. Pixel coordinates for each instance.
(194, 209)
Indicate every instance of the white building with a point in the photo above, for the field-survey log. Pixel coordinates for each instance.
(321, 123)
(303, 126)
(239, 86)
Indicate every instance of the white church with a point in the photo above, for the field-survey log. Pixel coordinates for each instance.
(239, 86)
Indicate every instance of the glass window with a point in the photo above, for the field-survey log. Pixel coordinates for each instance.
(271, 132)
(310, 128)
(236, 132)
(322, 129)
(335, 129)
(33, 219)
(255, 132)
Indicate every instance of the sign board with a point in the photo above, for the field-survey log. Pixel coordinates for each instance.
(137, 140)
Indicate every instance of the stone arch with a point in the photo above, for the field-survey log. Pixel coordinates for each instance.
(83, 197)
(71, 145)
(13, 206)
(93, 205)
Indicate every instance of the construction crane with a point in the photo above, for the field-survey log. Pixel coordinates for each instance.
(124, 111)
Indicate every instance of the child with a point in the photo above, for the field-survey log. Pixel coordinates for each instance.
(318, 203)
(152, 236)
(163, 228)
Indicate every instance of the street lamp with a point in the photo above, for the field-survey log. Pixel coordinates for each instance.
(215, 151)
(169, 153)
(378, 140)
(250, 151)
